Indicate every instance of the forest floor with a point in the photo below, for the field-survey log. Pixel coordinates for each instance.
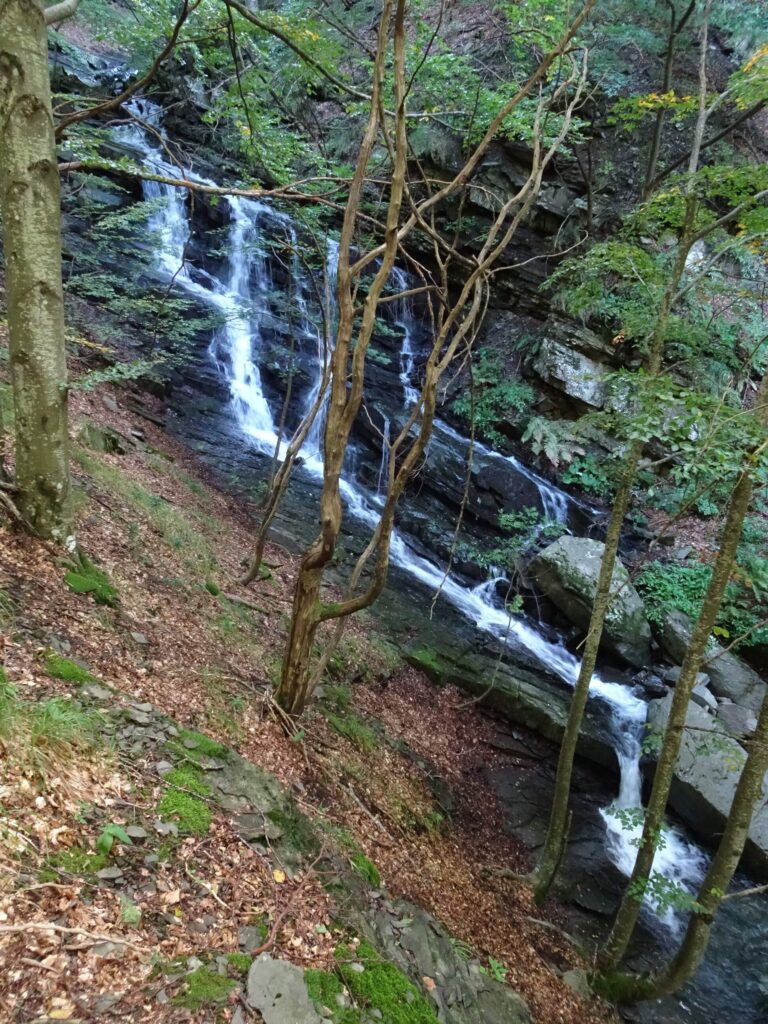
(94, 921)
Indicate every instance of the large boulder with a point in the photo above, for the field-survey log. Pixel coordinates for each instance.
(572, 372)
(567, 572)
(729, 678)
(707, 772)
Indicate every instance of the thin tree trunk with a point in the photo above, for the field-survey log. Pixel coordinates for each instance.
(675, 28)
(629, 909)
(630, 987)
(738, 506)
(554, 843)
(30, 206)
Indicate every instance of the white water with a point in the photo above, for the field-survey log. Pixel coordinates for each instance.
(242, 297)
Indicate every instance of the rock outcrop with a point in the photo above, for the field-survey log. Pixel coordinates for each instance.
(567, 572)
(706, 776)
(729, 678)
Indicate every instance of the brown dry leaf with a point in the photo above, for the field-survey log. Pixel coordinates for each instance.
(168, 899)
(429, 983)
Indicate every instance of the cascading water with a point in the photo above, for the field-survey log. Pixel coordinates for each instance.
(242, 298)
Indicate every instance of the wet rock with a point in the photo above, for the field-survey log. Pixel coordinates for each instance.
(729, 677)
(277, 990)
(706, 775)
(136, 832)
(567, 572)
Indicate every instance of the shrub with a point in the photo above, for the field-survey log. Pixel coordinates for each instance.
(497, 396)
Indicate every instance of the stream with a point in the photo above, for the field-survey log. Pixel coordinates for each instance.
(241, 289)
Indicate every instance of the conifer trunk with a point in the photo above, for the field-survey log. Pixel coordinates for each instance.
(30, 207)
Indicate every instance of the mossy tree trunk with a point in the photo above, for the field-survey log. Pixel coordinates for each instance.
(30, 207)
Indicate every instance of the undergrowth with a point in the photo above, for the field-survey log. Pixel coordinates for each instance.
(35, 736)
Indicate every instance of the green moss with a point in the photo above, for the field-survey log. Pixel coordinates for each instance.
(203, 986)
(200, 747)
(192, 815)
(384, 987)
(428, 660)
(212, 587)
(355, 729)
(204, 747)
(188, 777)
(323, 987)
(62, 668)
(77, 861)
(367, 869)
(240, 961)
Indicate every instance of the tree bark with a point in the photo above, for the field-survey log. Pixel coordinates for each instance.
(30, 206)
(738, 506)
(551, 855)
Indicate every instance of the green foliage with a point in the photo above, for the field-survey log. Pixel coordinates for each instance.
(495, 396)
(36, 735)
(522, 528)
(671, 586)
(591, 475)
(60, 667)
(496, 970)
(107, 837)
(553, 439)
(85, 578)
(664, 893)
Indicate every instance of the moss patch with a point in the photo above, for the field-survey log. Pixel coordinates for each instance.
(188, 777)
(367, 869)
(74, 861)
(298, 834)
(384, 987)
(381, 986)
(204, 986)
(355, 730)
(430, 663)
(193, 746)
(62, 668)
(191, 815)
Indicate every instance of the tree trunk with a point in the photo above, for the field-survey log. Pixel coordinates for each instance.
(30, 207)
(552, 851)
(722, 867)
(738, 506)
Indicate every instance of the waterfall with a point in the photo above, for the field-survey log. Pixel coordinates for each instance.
(325, 330)
(384, 464)
(241, 295)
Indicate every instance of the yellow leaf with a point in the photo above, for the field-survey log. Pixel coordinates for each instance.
(62, 1012)
(279, 876)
